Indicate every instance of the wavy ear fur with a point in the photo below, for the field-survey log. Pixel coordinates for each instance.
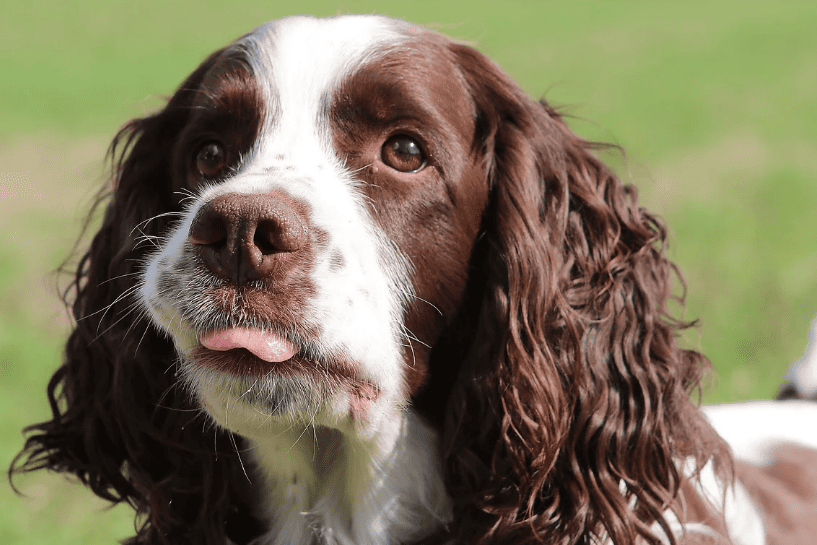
(119, 422)
(572, 406)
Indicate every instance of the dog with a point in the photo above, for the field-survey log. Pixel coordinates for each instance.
(354, 286)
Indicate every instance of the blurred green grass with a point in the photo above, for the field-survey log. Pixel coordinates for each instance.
(715, 103)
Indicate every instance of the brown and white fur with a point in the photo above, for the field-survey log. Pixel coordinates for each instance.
(392, 299)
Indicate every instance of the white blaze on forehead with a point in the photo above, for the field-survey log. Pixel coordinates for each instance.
(299, 61)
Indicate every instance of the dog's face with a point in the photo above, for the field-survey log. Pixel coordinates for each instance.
(332, 194)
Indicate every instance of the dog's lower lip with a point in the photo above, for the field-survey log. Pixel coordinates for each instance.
(240, 362)
(265, 345)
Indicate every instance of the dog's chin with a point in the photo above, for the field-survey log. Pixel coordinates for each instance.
(255, 398)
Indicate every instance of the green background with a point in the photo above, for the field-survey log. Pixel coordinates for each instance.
(715, 103)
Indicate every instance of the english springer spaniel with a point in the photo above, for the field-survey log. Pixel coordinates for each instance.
(354, 287)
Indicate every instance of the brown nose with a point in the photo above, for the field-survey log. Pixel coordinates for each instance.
(244, 237)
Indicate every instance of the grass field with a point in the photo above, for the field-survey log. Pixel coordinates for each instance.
(715, 103)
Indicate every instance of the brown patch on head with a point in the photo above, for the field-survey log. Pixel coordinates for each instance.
(432, 214)
(228, 109)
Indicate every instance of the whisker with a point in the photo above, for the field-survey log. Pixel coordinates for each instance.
(426, 302)
(139, 226)
(125, 315)
(410, 346)
(412, 337)
(140, 315)
(127, 293)
(119, 277)
(238, 454)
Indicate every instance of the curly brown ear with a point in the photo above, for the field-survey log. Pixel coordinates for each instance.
(119, 423)
(572, 405)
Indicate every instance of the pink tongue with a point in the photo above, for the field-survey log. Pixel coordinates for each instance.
(267, 346)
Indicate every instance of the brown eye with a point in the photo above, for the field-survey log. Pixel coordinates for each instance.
(211, 159)
(403, 153)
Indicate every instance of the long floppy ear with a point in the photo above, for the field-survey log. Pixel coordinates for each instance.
(572, 404)
(119, 423)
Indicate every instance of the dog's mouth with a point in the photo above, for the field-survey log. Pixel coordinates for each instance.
(255, 359)
(249, 352)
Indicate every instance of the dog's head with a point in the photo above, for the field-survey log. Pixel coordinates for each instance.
(331, 193)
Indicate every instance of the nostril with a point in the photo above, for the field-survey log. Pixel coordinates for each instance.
(264, 242)
(280, 230)
(208, 229)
